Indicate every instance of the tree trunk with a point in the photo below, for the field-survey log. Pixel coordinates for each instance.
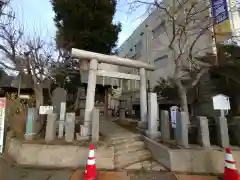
(39, 97)
(183, 98)
(38, 91)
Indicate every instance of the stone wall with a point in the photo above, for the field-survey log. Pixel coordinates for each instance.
(190, 160)
(58, 156)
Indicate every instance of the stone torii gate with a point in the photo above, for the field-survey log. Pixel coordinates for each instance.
(96, 58)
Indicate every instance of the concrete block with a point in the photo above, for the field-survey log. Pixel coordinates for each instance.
(222, 132)
(59, 156)
(165, 130)
(70, 127)
(203, 132)
(50, 134)
(95, 125)
(182, 130)
(190, 160)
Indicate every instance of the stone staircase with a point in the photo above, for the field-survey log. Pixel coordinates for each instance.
(129, 150)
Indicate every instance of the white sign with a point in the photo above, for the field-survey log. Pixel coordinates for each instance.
(2, 122)
(46, 110)
(22, 96)
(221, 102)
(174, 110)
(62, 111)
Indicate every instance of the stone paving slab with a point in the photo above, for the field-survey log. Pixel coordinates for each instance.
(113, 130)
(147, 166)
(35, 174)
(195, 177)
(61, 175)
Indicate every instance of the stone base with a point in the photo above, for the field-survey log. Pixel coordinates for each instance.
(142, 125)
(30, 137)
(146, 165)
(85, 130)
(82, 138)
(58, 156)
(190, 160)
(153, 135)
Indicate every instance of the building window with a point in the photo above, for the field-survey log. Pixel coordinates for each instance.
(138, 47)
(161, 62)
(156, 32)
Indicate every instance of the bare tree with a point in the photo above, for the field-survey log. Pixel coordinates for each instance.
(30, 57)
(185, 23)
(38, 60)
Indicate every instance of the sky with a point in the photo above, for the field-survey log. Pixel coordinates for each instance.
(37, 18)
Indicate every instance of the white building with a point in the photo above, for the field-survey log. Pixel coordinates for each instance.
(150, 41)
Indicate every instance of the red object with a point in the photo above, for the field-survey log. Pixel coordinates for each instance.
(90, 171)
(230, 170)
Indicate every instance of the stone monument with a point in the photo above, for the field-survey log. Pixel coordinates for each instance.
(59, 107)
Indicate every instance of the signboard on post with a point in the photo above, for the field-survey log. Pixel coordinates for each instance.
(221, 102)
(174, 110)
(2, 122)
(46, 110)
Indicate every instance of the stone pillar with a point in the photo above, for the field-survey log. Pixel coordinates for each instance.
(165, 129)
(92, 79)
(153, 118)
(70, 127)
(62, 120)
(31, 124)
(143, 96)
(122, 110)
(203, 132)
(50, 134)
(95, 125)
(222, 132)
(181, 133)
(236, 131)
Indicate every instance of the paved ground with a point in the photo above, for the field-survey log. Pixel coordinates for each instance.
(33, 174)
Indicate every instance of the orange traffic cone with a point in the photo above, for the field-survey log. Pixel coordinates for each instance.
(90, 171)
(230, 170)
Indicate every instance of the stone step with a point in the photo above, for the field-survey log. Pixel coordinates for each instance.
(147, 165)
(125, 139)
(128, 147)
(124, 160)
